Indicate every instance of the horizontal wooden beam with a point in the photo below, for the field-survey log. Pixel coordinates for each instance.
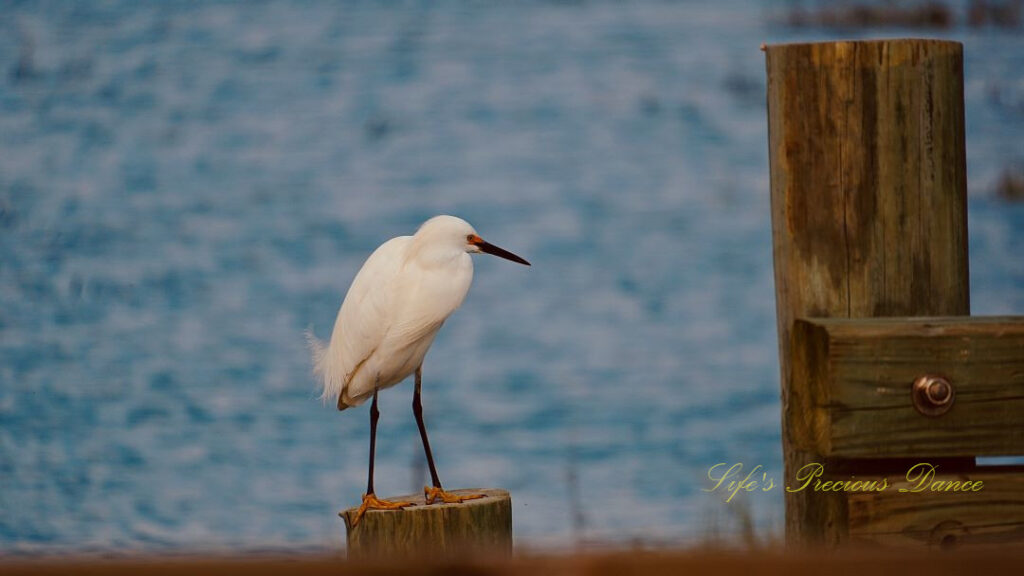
(923, 507)
(852, 379)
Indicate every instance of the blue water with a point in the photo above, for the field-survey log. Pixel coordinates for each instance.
(185, 189)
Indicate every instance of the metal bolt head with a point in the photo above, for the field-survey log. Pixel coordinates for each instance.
(933, 395)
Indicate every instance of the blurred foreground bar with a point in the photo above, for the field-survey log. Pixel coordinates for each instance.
(719, 563)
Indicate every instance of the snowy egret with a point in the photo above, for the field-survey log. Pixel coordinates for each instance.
(398, 301)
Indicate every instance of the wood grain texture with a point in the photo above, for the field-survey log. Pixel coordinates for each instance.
(868, 196)
(480, 527)
(858, 376)
(991, 517)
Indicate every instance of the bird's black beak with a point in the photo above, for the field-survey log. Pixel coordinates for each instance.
(489, 248)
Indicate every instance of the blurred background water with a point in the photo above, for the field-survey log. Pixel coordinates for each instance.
(185, 188)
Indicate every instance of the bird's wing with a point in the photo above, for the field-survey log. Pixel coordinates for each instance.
(363, 319)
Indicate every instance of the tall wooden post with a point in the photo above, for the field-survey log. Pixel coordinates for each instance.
(868, 195)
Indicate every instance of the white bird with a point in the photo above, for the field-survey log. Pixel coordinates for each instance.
(398, 301)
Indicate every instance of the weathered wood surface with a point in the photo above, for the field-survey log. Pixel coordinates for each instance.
(858, 376)
(471, 528)
(939, 516)
(868, 195)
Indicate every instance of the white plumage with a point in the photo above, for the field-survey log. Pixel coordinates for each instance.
(394, 308)
(398, 301)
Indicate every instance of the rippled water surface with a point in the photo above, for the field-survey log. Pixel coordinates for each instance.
(184, 189)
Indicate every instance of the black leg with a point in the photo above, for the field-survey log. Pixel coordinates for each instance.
(374, 415)
(370, 501)
(417, 409)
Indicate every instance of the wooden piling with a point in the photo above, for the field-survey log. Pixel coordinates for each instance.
(481, 527)
(868, 195)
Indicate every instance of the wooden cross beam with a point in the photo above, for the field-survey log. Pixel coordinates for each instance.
(858, 375)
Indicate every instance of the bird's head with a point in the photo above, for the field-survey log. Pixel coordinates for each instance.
(458, 234)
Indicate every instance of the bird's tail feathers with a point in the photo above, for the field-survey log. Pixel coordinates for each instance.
(322, 368)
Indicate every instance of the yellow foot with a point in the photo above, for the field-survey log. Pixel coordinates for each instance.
(370, 502)
(431, 494)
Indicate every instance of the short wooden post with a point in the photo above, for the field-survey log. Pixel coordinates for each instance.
(471, 528)
(868, 194)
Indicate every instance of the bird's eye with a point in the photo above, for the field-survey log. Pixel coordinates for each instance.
(469, 238)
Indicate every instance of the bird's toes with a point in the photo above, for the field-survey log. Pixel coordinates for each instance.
(371, 502)
(433, 493)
